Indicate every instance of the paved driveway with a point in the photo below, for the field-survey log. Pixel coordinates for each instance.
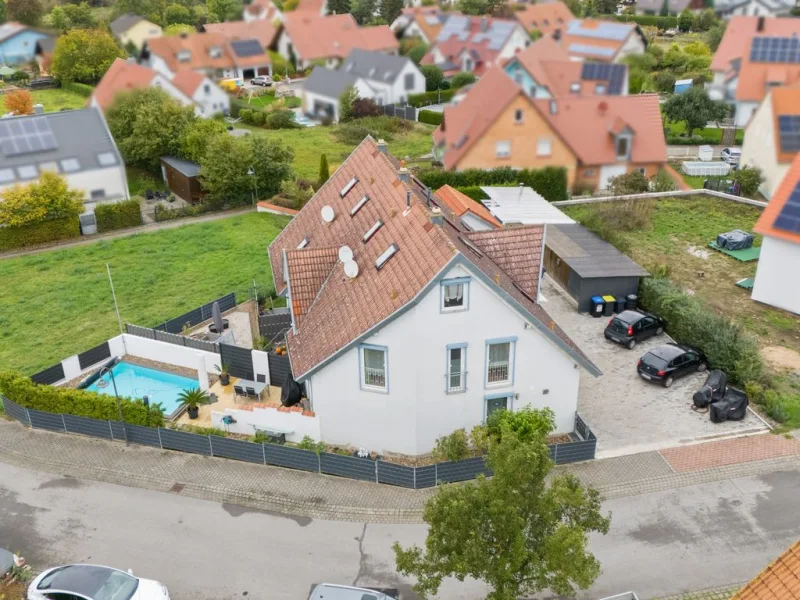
(627, 413)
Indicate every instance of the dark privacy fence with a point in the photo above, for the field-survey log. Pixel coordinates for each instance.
(86, 359)
(238, 360)
(275, 322)
(171, 338)
(409, 113)
(198, 315)
(291, 458)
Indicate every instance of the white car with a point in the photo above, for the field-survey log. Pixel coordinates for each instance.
(331, 591)
(262, 80)
(93, 582)
(732, 156)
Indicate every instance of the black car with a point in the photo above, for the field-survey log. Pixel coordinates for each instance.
(632, 326)
(667, 363)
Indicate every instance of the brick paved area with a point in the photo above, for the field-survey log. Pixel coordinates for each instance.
(718, 593)
(728, 452)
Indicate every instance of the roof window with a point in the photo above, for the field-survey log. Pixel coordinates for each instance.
(303, 243)
(387, 254)
(184, 56)
(106, 159)
(70, 165)
(350, 185)
(6, 175)
(359, 205)
(372, 231)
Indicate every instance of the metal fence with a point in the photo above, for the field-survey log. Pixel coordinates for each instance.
(409, 113)
(352, 467)
(274, 322)
(171, 338)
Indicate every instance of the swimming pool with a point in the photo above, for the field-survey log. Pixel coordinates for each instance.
(135, 381)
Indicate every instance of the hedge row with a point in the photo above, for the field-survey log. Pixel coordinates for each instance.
(42, 232)
(550, 182)
(118, 216)
(81, 89)
(690, 321)
(430, 117)
(654, 20)
(427, 98)
(47, 398)
(697, 140)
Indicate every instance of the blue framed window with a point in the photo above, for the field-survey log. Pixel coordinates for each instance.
(500, 356)
(456, 369)
(494, 402)
(455, 294)
(373, 366)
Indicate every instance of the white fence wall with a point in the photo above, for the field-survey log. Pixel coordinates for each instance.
(170, 354)
(293, 423)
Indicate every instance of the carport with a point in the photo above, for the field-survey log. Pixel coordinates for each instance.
(585, 265)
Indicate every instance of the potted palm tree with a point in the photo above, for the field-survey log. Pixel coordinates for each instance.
(193, 398)
(224, 376)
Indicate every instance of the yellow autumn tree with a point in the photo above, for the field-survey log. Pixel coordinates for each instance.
(19, 102)
(48, 198)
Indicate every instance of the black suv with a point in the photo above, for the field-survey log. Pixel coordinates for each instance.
(632, 326)
(667, 363)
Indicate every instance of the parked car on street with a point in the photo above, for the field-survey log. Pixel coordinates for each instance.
(732, 156)
(669, 362)
(632, 326)
(331, 591)
(262, 80)
(93, 582)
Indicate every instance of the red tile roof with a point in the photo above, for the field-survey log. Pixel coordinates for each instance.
(333, 36)
(740, 30)
(545, 17)
(779, 581)
(543, 49)
(461, 204)
(121, 77)
(766, 222)
(308, 270)
(516, 250)
(199, 46)
(756, 78)
(262, 30)
(188, 81)
(428, 18)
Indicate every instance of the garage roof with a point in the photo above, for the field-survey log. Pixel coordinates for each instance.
(588, 255)
(519, 204)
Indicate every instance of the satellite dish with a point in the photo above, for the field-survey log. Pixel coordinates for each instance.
(327, 214)
(351, 269)
(345, 254)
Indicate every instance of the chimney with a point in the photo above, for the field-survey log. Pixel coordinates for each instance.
(403, 174)
(760, 25)
(557, 35)
(435, 215)
(184, 35)
(383, 146)
(602, 108)
(38, 109)
(553, 107)
(428, 197)
(484, 24)
(521, 190)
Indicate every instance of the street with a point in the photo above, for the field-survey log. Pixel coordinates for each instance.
(660, 543)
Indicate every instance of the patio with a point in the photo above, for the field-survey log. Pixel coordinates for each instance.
(227, 399)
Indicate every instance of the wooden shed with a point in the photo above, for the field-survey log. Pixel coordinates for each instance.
(181, 178)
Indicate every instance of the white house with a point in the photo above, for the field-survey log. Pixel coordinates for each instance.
(776, 282)
(262, 10)
(75, 144)
(425, 327)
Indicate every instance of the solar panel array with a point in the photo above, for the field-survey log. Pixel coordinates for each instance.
(23, 136)
(245, 48)
(613, 74)
(775, 50)
(455, 26)
(603, 30)
(592, 50)
(789, 217)
(496, 34)
(789, 132)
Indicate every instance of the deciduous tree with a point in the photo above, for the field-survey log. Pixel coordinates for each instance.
(176, 13)
(346, 103)
(473, 7)
(85, 55)
(433, 77)
(197, 135)
(27, 12)
(685, 20)
(695, 108)
(223, 10)
(338, 7)
(73, 16)
(48, 198)
(19, 102)
(363, 10)
(389, 9)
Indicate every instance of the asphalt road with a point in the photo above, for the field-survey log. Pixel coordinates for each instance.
(661, 543)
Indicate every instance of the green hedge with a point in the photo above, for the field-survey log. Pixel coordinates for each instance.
(23, 391)
(690, 321)
(654, 20)
(473, 191)
(43, 232)
(81, 89)
(430, 117)
(427, 98)
(118, 216)
(550, 182)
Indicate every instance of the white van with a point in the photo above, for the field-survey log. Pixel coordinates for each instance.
(330, 591)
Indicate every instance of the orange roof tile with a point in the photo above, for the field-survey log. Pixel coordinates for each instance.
(199, 46)
(516, 250)
(766, 222)
(460, 204)
(262, 30)
(333, 36)
(258, 6)
(543, 49)
(315, 7)
(428, 18)
(779, 581)
(741, 30)
(308, 270)
(546, 17)
(785, 102)
(188, 81)
(121, 77)
(756, 78)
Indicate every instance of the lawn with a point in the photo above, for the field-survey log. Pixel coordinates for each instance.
(58, 99)
(140, 181)
(712, 135)
(60, 301)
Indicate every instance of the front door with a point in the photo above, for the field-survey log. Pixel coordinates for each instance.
(495, 404)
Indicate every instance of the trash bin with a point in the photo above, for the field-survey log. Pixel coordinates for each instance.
(619, 305)
(608, 307)
(631, 302)
(597, 306)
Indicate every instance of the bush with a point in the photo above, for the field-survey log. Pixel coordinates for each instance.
(293, 102)
(430, 117)
(366, 107)
(82, 89)
(246, 115)
(461, 79)
(629, 183)
(42, 232)
(281, 118)
(170, 214)
(420, 100)
(118, 216)
(550, 182)
(309, 443)
(353, 133)
(473, 191)
(257, 118)
(453, 447)
(20, 389)
(662, 23)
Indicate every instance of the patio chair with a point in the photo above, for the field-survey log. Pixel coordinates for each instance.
(238, 391)
(251, 393)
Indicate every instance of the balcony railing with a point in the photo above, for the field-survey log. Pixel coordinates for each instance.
(497, 372)
(456, 382)
(375, 377)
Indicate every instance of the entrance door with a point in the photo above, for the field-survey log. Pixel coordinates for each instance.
(609, 171)
(495, 404)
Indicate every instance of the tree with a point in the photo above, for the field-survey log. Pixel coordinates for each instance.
(574, 7)
(27, 12)
(714, 35)
(222, 10)
(196, 136)
(749, 180)
(177, 14)
(85, 55)
(178, 29)
(705, 20)
(389, 9)
(3, 11)
(363, 10)
(514, 531)
(473, 7)
(48, 198)
(461, 79)
(416, 53)
(19, 102)
(433, 77)
(662, 182)
(346, 103)
(225, 166)
(664, 12)
(606, 7)
(148, 124)
(695, 108)
(338, 7)
(685, 20)
(629, 183)
(73, 16)
(324, 172)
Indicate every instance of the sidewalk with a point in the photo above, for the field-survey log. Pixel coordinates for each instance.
(324, 497)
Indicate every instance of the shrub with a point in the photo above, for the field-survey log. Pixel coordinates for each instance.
(366, 107)
(246, 114)
(749, 180)
(309, 443)
(354, 132)
(662, 22)
(420, 100)
(550, 182)
(453, 447)
(281, 118)
(82, 89)
(473, 191)
(430, 117)
(118, 216)
(662, 182)
(257, 118)
(47, 398)
(461, 79)
(629, 183)
(42, 232)
(293, 102)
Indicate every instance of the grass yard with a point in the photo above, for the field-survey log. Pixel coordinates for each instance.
(140, 180)
(712, 135)
(60, 302)
(58, 99)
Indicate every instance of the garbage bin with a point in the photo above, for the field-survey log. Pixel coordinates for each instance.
(608, 307)
(597, 306)
(631, 302)
(619, 305)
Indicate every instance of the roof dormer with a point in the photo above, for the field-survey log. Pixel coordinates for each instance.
(184, 56)
(215, 52)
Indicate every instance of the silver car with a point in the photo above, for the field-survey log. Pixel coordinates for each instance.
(732, 156)
(262, 80)
(330, 591)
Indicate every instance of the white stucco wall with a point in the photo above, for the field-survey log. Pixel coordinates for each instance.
(210, 99)
(774, 283)
(170, 354)
(744, 111)
(633, 45)
(261, 364)
(518, 40)
(417, 410)
(293, 423)
(760, 148)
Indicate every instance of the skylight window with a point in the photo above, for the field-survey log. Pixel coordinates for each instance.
(302, 244)
(387, 254)
(372, 231)
(350, 185)
(70, 165)
(359, 205)
(27, 172)
(6, 175)
(106, 159)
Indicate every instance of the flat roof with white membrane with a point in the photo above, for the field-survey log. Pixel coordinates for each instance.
(522, 205)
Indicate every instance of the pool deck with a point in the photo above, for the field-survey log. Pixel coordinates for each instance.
(227, 399)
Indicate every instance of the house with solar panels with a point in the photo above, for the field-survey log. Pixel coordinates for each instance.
(777, 282)
(759, 8)
(772, 137)
(603, 41)
(76, 144)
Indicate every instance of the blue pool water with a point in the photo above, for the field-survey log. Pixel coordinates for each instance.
(137, 382)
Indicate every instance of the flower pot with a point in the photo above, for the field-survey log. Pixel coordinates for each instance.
(193, 412)
(224, 378)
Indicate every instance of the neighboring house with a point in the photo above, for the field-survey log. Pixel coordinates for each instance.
(594, 138)
(384, 78)
(18, 43)
(422, 22)
(606, 41)
(544, 70)
(674, 7)
(212, 54)
(133, 29)
(736, 42)
(480, 340)
(475, 44)
(262, 10)
(474, 215)
(779, 581)
(75, 144)
(265, 31)
(776, 282)
(308, 39)
(755, 8)
(772, 138)
(186, 86)
(548, 18)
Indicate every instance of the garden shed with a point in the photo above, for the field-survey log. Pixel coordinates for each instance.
(585, 265)
(181, 178)
(715, 168)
